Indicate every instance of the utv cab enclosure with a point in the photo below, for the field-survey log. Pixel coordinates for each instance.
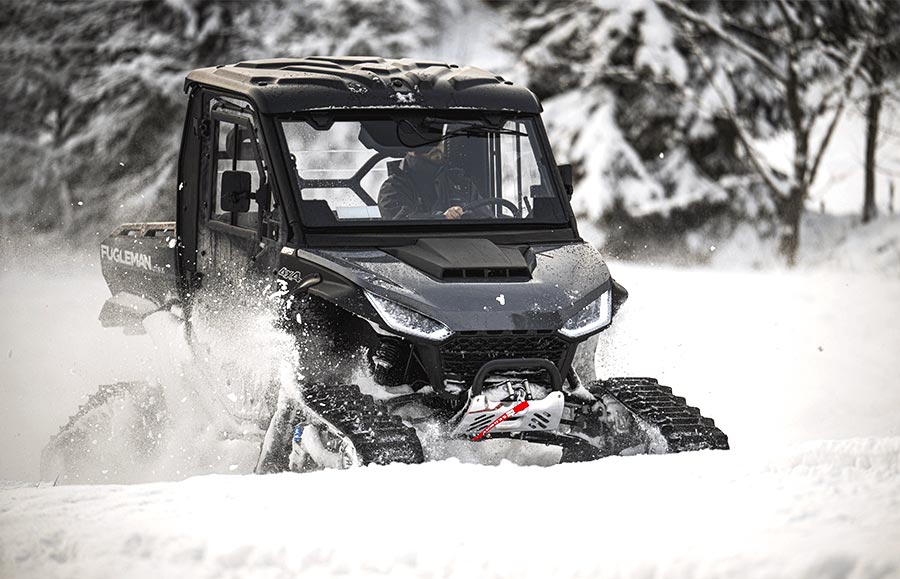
(265, 183)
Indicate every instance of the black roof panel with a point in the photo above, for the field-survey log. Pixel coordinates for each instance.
(284, 85)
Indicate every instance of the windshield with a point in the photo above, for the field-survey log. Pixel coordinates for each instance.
(419, 168)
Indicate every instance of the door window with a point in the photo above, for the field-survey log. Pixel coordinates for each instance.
(237, 148)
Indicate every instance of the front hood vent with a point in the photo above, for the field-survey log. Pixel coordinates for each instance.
(467, 259)
(487, 273)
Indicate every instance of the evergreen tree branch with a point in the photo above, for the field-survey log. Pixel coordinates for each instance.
(791, 21)
(764, 62)
(762, 169)
(748, 31)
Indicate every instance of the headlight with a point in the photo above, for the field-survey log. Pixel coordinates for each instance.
(594, 316)
(408, 321)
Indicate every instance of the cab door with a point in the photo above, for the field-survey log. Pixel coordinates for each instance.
(239, 225)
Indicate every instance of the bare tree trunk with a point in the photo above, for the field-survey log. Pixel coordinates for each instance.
(792, 208)
(891, 199)
(873, 111)
(791, 214)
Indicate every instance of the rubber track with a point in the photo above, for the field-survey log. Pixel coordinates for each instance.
(101, 397)
(683, 427)
(68, 447)
(379, 438)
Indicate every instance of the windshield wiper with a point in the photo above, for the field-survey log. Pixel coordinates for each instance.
(481, 130)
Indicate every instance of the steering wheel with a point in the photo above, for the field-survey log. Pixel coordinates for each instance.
(505, 203)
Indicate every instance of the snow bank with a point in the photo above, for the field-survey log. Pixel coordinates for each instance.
(874, 246)
(828, 242)
(820, 509)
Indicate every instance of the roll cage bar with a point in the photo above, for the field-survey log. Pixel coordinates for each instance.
(354, 182)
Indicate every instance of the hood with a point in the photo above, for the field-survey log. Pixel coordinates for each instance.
(564, 279)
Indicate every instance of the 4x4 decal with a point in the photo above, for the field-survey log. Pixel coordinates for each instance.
(290, 274)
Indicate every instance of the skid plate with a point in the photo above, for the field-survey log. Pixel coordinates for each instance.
(540, 416)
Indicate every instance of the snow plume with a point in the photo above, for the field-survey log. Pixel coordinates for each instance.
(206, 403)
(235, 329)
(224, 377)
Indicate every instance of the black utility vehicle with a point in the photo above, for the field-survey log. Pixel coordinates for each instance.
(421, 229)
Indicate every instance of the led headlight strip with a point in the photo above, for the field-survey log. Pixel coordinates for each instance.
(408, 321)
(592, 317)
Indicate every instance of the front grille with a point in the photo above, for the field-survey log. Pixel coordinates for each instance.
(464, 354)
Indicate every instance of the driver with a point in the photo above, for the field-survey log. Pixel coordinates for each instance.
(425, 187)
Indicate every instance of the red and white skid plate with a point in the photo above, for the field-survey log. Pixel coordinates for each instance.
(485, 416)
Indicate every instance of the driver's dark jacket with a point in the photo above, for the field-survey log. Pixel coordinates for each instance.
(424, 190)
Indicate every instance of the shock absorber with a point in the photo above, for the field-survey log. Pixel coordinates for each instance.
(388, 363)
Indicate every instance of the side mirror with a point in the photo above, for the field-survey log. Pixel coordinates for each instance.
(235, 191)
(565, 171)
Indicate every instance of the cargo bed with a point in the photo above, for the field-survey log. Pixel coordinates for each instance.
(138, 261)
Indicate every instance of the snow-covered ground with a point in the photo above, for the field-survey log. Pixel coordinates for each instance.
(817, 510)
(799, 368)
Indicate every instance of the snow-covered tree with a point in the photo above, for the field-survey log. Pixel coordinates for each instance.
(347, 27)
(95, 91)
(655, 153)
(811, 62)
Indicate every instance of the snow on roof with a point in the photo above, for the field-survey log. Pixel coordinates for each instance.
(285, 85)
